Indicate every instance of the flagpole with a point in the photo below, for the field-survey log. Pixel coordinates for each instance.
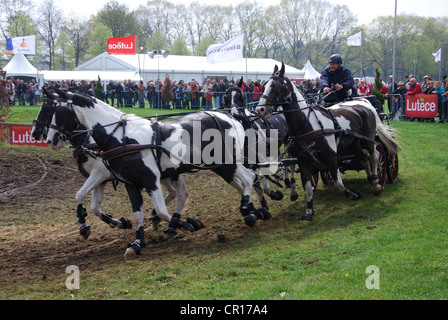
(245, 45)
(362, 53)
(395, 36)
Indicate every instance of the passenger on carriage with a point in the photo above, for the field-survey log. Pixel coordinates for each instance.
(338, 78)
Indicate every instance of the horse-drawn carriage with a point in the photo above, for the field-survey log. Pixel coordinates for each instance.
(140, 152)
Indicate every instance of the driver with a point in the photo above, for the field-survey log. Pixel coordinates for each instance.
(338, 78)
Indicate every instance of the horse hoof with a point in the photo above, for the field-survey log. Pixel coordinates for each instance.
(306, 217)
(287, 183)
(294, 197)
(196, 223)
(155, 220)
(276, 195)
(85, 231)
(124, 223)
(132, 250)
(377, 190)
(250, 220)
(264, 213)
(169, 233)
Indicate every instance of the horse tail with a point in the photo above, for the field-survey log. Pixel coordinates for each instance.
(386, 135)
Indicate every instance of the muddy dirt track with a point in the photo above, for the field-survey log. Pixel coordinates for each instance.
(39, 235)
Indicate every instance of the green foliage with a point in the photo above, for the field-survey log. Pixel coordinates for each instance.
(376, 90)
(201, 49)
(98, 39)
(99, 90)
(180, 48)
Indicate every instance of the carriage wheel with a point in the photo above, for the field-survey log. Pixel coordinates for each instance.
(382, 165)
(326, 177)
(392, 167)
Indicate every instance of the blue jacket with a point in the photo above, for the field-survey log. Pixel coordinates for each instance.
(342, 76)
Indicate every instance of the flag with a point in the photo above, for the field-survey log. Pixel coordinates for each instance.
(122, 45)
(355, 40)
(438, 55)
(26, 45)
(231, 50)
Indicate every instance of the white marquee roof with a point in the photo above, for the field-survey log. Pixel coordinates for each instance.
(20, 66)
(194, 66)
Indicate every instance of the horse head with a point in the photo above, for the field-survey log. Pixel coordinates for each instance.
(234, 97)
(43, 120)
(64, 123)
(276, 92)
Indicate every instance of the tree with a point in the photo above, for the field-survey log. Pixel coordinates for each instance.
(201, 49)
(64, 53)
(180, 47)
(51, 19)
(98, 39)
(77, 30)
(118, 18)
(376, 90)
(98, 91)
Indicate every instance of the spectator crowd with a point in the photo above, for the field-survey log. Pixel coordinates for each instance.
(209, 94)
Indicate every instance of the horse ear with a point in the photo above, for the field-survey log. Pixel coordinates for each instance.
(46, 93)
(61, 93)
(282, 70)
(240, 83)
(275, 69)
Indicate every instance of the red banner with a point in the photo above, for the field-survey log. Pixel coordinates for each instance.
(421, 105)
(20, 135)
(123, 45)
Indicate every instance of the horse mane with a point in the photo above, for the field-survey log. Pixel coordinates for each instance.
(83, 100)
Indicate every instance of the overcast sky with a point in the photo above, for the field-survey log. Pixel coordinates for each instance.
(364, 10)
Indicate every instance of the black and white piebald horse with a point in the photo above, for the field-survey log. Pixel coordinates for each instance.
(234, 101)
(320, 134)
(141, 153)
(91, 166)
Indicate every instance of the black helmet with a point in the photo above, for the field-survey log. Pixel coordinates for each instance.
(335, 58)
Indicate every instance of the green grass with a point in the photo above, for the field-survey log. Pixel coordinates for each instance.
(26, 114)
(402, 232)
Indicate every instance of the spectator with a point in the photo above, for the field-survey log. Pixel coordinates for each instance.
(414, 88)
(209, 100)
(397, 98)
(178, 95)
(187, 95)
(364, 89)
(141, 94)
(195, 94)
(256, 94)
(119, 92)
(438, 89)
(216, 94)
(110, 93)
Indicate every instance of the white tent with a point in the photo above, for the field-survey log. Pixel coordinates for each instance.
(310, 72)
(90, 75)
(186, 67)
(19, 66)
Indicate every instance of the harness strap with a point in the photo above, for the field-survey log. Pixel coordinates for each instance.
(126, 150)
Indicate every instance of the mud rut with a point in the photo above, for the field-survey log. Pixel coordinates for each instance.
(39, 236)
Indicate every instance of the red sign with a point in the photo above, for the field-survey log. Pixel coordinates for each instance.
(20, 135)
(421, 105)
(123, 45)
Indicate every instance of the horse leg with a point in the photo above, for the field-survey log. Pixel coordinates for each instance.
(293, 194)
(97, 198)
(352, 194)
(171, 190)
(309, 192)
(135, 196)
(95, 178)
(373, 162)
(242, 181)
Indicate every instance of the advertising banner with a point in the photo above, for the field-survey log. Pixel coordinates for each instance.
(20, 135)
(421, 106)
(122, 45)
